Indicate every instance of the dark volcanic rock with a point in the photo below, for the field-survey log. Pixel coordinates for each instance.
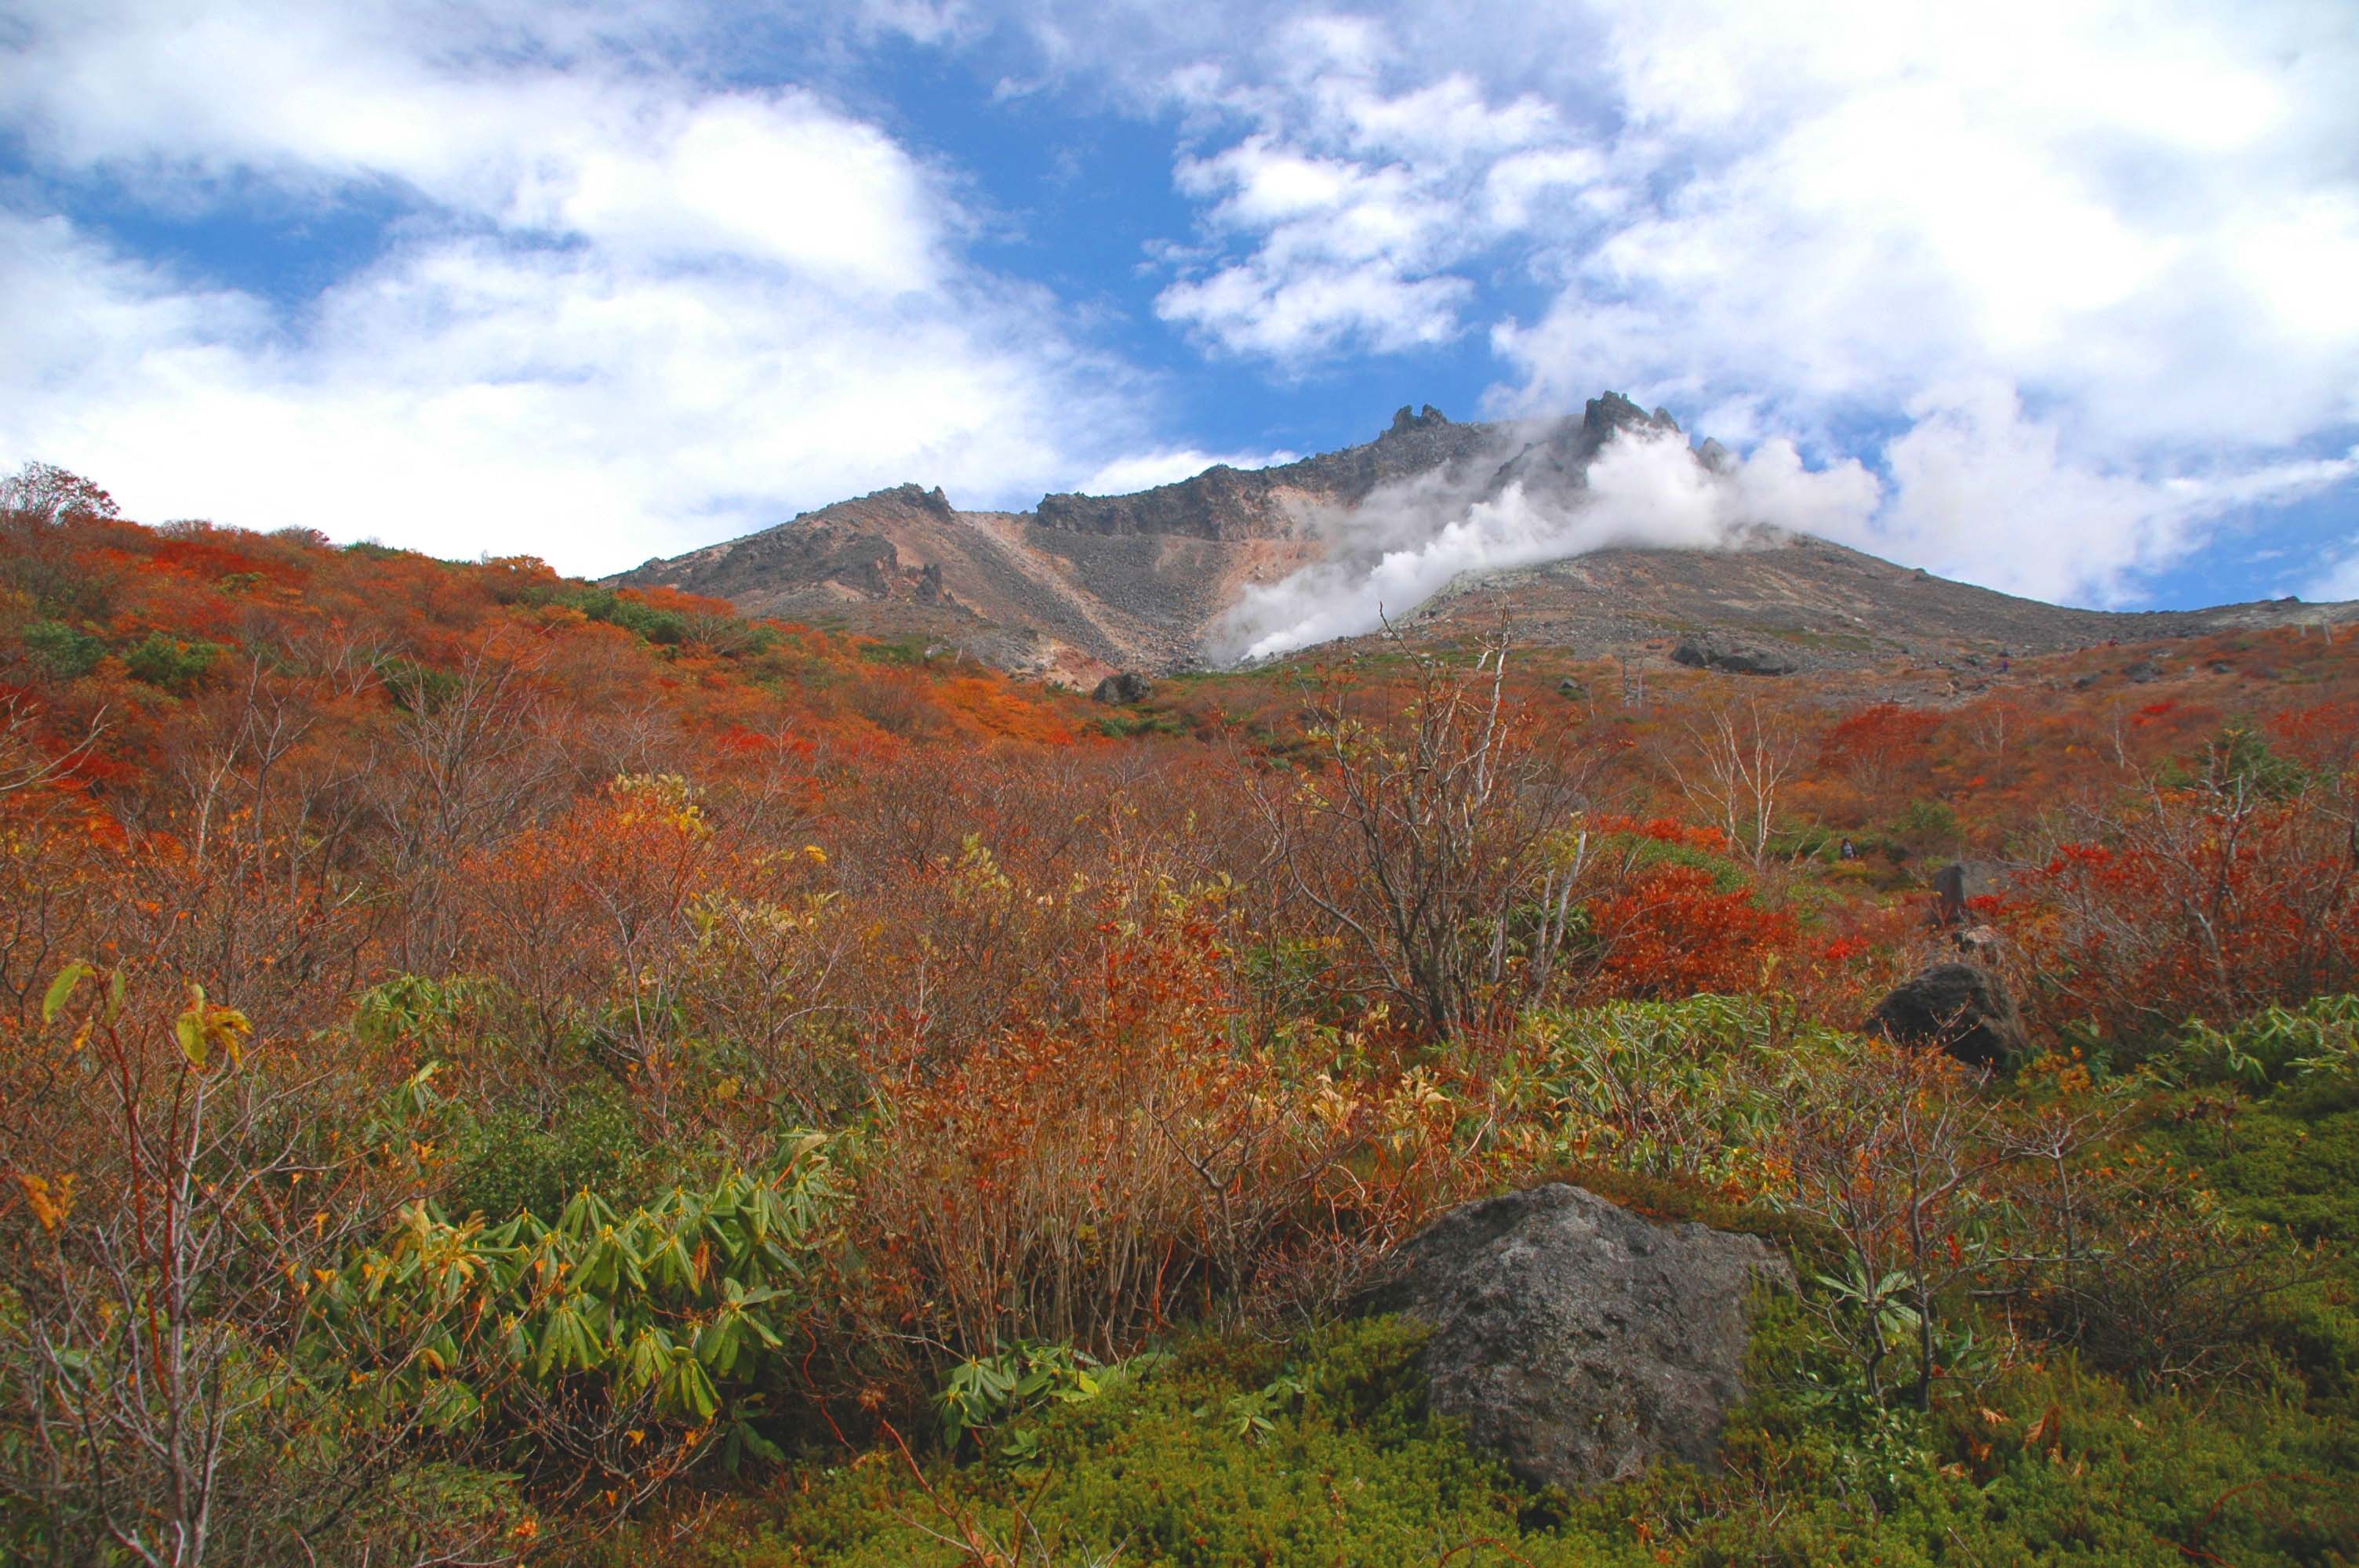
(1962, 1008)
(1730, 658)
(2142, 671)
(1128, 686)
(1553, 464)
(1579, 1340)
(1232, 505)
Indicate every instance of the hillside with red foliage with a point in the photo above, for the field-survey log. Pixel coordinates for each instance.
(372, 926)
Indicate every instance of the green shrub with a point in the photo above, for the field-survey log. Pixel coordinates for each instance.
(590, 1327)
(1227, 1454)
(169, 664)
(1690, 1089)
(1926, 825)
(414, 689)
(1344, 1465)
(67, 653)
(903, 651)
(665, 628)
(2274, 1045)
(983, 1391)
(1126, 723)
(511, 1163)
(1646, 853)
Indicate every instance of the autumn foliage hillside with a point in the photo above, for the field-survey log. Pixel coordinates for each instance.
(494, 1068)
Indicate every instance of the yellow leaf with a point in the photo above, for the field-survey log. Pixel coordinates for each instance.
(189, 1027)
(62, 989)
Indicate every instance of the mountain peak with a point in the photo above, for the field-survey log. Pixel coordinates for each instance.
(1085, 583)
(1427, 418)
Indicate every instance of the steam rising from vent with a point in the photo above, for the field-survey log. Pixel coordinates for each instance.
(1645, 488)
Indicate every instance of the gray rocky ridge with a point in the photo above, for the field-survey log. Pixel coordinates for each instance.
(1084, 585)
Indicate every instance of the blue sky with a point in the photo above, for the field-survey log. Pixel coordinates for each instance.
(2054, 298)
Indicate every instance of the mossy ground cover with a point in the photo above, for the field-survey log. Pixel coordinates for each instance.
(2047, 1464)
(1238, 1449)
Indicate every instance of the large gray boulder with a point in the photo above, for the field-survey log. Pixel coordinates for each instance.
(1122, 688)
(1730, 658)
(1579, 1340)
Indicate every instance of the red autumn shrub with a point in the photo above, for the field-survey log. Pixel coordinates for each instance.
(1674, 933)
(2205, 903)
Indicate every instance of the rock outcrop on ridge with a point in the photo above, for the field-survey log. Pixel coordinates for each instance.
(1084, 585)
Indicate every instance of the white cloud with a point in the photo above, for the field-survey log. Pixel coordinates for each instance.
(777, 180)
(2339, 578)
(1983, 493)
(1337, 218)
(625, 313)
(466, 395)
(1408, 540)
(2137, 218)
(2078, 272)
(1290, 313)
(1145, 470)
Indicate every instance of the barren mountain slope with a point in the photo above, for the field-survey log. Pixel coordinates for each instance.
(1086, 584)
(1809, 602)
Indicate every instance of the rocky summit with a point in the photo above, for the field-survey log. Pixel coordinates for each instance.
(1082, 586)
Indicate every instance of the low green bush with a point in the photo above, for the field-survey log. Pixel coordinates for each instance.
(1240, 1453)
(65, 652)
(511, 1163)
(169, 664)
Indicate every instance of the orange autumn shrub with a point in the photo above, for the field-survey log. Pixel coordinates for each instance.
(1088, 1184)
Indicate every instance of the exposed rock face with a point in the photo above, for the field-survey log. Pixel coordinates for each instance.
(1235, 505)
(1730, 658)
(1962, 1008)
(1555, 463)
(1577, 1339)
(1083, 584)
(1122, 688)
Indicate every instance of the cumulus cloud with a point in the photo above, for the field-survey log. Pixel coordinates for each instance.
(621, 312)
(1409, 540)
(2338, 580)
(465, 395)
(2070, 279)
(1168, 465)
(2133, 218)
(1336, 220)
(1983, 491)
